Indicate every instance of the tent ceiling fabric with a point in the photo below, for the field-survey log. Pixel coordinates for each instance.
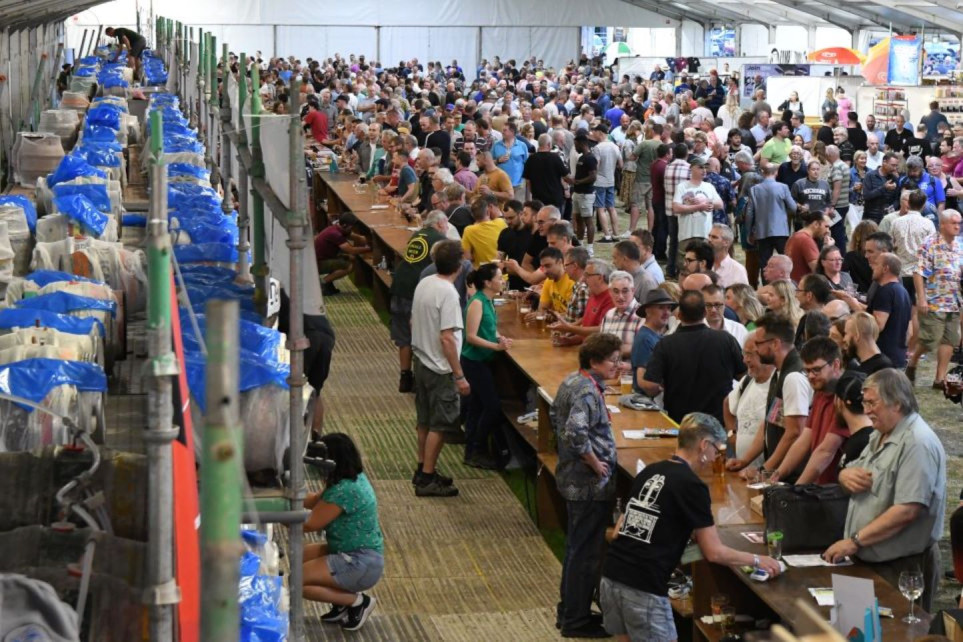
(904, 15)
(17, 14)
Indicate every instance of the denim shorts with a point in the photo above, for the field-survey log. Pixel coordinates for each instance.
(643, 617)
(356, 571)
(605, 196)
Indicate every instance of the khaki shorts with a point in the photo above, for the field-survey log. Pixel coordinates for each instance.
(583, 205)
(437, 406)
(328, 266)
(940, 328)
(642, 195)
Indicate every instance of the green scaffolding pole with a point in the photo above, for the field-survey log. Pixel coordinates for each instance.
(260, 270)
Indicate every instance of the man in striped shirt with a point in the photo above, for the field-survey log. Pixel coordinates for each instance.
(676, 172)
(622, 320)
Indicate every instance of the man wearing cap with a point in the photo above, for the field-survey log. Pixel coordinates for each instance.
(656, 309)
(693, 203)
(694, 357)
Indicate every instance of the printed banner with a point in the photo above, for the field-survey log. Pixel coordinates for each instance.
(753, 74)
(904, 60)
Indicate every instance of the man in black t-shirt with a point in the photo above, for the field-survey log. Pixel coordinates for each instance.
(891, 306)
(515, 238)
(897, 139)
(668, 504)
(694, 357)
(130, 40)
(544, 172)
(859, 339)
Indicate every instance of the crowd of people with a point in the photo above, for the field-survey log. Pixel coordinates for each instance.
(798, 362)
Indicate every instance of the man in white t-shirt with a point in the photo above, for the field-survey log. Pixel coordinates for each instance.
(788, 401)
(745, 407)
(610, 158)
(436, 338)
(693, 203)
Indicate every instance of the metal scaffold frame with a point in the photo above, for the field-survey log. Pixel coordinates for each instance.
(193, 75)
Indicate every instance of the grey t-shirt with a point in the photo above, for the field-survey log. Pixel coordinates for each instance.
(435, 308)
(608, 155)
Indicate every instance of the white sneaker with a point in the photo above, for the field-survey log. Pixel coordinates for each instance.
(591, 251)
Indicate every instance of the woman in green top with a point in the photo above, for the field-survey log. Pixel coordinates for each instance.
(479, 347)
(351, 560)
(742, 300)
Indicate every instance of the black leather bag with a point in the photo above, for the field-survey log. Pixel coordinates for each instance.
(810, 516)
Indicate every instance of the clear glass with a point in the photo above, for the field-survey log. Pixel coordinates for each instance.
(716, 604)
(911, 586)
(774, 543)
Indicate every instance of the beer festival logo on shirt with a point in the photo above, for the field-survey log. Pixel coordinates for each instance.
(639, 522)
(416, 250)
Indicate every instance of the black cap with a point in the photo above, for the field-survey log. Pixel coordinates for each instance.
(849, 390)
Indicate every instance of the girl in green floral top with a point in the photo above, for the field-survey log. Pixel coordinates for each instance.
(351, 560)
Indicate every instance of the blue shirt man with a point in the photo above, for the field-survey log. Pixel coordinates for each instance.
(510, 154)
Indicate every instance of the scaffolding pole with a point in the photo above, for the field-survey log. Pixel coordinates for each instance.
(297, 342)
(257, 201)
(243, 213)
(227, 204)
(221, 482)
(293, 217)
(162, 592)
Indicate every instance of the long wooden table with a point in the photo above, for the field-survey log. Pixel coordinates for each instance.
(533, 363)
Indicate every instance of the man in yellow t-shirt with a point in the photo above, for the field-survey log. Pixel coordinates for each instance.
(480, 240)
(492, 180)
(557, 287)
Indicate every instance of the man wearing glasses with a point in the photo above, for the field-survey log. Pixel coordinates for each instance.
(790, 394)
(822, 439)
(897, 488)
(621, 319)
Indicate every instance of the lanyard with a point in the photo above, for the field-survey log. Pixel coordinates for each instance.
(600, 391)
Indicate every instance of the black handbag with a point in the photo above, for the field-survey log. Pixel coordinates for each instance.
(810, 516)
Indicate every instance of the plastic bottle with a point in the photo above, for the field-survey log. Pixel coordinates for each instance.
(333, 166)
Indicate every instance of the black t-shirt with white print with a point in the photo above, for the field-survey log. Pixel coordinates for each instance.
(668, 501)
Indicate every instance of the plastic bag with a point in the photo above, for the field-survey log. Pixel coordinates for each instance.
(206, 253)
(260, 599)
(97, 154)
(32, 379)
(97, 133)
(71, 167)
(46, 277)
(255, 372)
(257, 339)
(104, 115)
(65, 302)
(24, 203)
(79, 208)
(11, 318)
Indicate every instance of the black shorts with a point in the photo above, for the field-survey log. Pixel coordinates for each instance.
(910, 288)
(137, 47)
(317, 357)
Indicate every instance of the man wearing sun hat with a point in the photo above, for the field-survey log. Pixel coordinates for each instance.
(656, 309)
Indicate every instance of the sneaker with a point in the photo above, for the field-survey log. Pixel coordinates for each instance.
(591, 250)
(483, 461)
(593, 629)
(911, 373)
(329, 289)
(434, 488)
(407, 381)
(418, 478)
(336, 615)
(358, 615)
(606, 239)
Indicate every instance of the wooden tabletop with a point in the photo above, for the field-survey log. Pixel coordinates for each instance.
(781, 593)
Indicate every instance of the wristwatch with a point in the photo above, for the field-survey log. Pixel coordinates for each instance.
(855, 539)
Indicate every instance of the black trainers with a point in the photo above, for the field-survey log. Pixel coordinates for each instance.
(358, 615)
(329, 289)
(336, 615)
(407, 381)
(483, 461)
(435, 488)
(593, 629)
